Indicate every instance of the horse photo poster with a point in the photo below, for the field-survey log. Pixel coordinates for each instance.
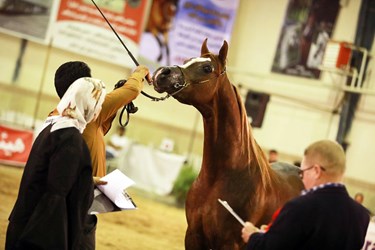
(306, 29)
(191, 24)
(30, 20)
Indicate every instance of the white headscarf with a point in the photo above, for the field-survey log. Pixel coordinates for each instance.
(81, 103)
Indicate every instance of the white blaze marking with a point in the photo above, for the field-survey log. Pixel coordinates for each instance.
(157, 74)
(195, 60)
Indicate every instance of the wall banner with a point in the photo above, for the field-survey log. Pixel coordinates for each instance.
(191, 23)
(15, 145)
(31, 20)
(305, 32)
(80, 28)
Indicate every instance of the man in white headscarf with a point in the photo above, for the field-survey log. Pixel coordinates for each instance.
(56, 189)
(94, 132)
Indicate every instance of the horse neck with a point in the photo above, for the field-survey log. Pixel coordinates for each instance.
(228, 140)
(225, 123)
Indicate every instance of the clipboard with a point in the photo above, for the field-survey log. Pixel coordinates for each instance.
(229, 208)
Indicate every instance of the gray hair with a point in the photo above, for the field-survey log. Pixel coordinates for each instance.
(328, 154)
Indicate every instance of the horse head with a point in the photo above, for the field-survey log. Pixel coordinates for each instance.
(196, 81)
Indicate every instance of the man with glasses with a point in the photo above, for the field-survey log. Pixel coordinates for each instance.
(324, 216)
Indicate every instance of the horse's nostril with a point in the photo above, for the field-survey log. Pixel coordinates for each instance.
(166, 71)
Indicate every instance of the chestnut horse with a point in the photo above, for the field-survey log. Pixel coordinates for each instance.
(234, 167)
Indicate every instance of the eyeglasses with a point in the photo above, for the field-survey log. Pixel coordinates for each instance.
(312, 166)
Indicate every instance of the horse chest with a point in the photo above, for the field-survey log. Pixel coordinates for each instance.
(204, 197)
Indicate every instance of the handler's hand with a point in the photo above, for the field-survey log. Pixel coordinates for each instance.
(143, 70)
(248, 230)
(97, 181)
(263, 228)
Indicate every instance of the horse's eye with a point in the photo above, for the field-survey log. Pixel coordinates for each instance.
(207, 68)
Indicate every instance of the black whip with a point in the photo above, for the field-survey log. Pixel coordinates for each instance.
(130, 108)
(153, 98)
(114, 31)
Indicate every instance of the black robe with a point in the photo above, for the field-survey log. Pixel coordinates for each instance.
(325, 219)
(55, 194)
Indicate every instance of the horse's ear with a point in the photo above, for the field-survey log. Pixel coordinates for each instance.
(204, 49)
(223, 52)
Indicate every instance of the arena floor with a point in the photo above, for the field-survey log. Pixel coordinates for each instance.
(156, 224)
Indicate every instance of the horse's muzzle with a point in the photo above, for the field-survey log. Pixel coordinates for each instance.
(166, 78)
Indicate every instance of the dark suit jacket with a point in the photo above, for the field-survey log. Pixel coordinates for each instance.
(327, 218)
(55, 193)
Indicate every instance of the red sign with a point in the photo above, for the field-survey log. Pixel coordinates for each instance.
(125, 19)
(80, 28)
(15, 145)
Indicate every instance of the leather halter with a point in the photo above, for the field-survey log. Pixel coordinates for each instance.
(180, 87)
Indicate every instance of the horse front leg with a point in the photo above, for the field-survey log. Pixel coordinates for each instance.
(233, 246)
(194, 240)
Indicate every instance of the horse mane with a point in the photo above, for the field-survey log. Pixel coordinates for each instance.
(255, 154)
(258, 157)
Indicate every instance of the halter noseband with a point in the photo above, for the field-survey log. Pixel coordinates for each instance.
(180, 87)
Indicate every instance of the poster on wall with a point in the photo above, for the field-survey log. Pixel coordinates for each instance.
(15, 145)
(31, 20)
(176, 29)
(81, 29)
(306, 29)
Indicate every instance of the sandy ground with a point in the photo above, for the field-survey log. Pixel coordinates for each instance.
(156, 224)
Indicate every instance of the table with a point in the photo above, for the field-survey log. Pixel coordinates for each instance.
(152, 169)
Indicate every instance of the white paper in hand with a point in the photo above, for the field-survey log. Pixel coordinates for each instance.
(117, 182)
